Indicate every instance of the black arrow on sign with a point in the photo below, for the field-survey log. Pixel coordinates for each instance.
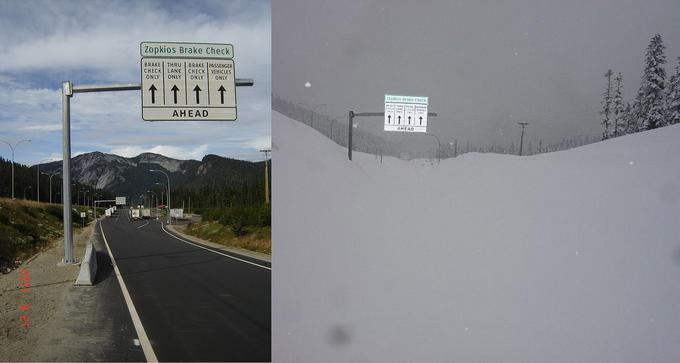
(153, 93)
(421, 120)
(409, 120)
(174, 89)
(222, 90)
(389, 118)
(399, 119)
(197, 89)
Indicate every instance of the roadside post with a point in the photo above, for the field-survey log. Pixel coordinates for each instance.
(204, 71)
(82, 217)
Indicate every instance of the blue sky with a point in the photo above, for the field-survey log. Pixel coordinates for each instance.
(97, 42)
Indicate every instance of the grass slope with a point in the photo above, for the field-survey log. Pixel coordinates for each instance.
(27, 227)
(255, 239)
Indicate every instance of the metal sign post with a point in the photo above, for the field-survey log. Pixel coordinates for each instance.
(67, 91)
(353, 114)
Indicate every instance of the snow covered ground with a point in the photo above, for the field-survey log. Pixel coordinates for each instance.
(572, 256)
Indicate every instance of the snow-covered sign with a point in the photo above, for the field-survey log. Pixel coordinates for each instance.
(406, 113)
(120, 201)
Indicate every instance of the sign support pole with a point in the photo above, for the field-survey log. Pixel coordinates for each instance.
(349, 137)
(67, 91)
(353, 114)
(66, 94)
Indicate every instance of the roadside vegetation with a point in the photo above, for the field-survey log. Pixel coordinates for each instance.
(247, 227)
(27, 227)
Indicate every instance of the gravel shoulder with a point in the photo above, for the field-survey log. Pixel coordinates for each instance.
(48, 292)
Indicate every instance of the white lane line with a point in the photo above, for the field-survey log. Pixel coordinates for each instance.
(141, 333)
(143, 225)
(213, 251)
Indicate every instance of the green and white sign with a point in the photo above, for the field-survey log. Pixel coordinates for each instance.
(178, 88)
(405, 113)
(186, 50)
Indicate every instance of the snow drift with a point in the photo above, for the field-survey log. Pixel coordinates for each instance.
(571, 256)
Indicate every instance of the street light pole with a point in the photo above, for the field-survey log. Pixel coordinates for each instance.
(314, 110)
(266, 175)
(303, 104)
(14, 147)
(162, 194)
(333, 121)
(156, 196)
(50, 175)
(168, 178)
(439, 146)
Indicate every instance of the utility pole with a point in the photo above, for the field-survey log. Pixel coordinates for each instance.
(521, 138)
(266, 174)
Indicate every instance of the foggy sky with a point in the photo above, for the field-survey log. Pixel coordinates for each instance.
(485, 65)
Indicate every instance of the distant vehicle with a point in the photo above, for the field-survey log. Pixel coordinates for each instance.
(135, 213)
(108, 212)
(146, 213)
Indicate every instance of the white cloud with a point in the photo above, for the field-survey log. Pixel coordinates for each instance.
(98, 42)
(43, 127)
(108, 42)
(258, 142)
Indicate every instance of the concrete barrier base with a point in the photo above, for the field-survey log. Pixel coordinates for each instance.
(88, 268)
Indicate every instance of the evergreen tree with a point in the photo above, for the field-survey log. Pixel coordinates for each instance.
(673, 97)
(619, 123)
(628, 119)
(652, 85)
(606, 105)
(637, 119)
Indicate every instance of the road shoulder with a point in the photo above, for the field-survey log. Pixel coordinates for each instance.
(89, 323)
(178, 230)
(43, 301)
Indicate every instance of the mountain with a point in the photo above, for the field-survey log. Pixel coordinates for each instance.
(131, 176)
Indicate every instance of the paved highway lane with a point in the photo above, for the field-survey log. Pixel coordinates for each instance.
(193, 303)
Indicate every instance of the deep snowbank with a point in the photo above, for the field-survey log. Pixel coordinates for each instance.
(571, 256)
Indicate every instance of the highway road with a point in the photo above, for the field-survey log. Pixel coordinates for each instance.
(190, 302)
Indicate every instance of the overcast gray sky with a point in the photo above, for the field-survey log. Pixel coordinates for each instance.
(485, 65)
(97, 42)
